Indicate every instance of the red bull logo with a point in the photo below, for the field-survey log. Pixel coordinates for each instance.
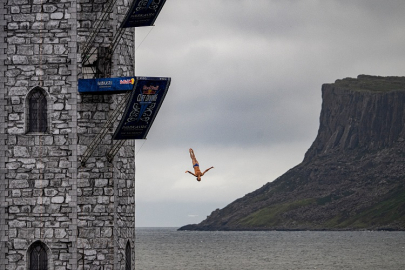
(150, 90)
(128, 81)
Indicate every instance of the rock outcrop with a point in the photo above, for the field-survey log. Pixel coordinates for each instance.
(351, 178)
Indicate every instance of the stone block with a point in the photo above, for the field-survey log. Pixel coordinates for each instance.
(21, 151)
(25, 49)
(15, 9)
(52, 224)
(87, 200)
(58, 106)
(13, 117)
(41, 183)
(13, 210)
(23, 17)
(13, 72)
(27, 161)
(18, 184)
(103, 199)
(48, 233)
(18, 91)
(98, 191)
(100, 257)
(109, 191)
(101, 243)
(99, 209)
(64, 164)
(58, 199)
(101, 182)
(13, 258)
(106, 232)
(68, 199)
(50, 192)
(25, 209)
(51, 40)
(42, 17)
(47, 49)
(36, 9)
(14, 39)
(15, 100)
(86, 234)
(20, 60)
(57, 16)
(59, 49)
(38, 26)
(39, 209)
(64, 256)
(38, 193)
(17, 224)
(13, 165)
(60, 233)
(15, 130)
(26, 233)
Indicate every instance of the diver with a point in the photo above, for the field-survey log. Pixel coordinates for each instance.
(197, 173)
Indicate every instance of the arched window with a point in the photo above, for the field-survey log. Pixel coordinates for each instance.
(128, 257)
(38, 257)
(37, 111)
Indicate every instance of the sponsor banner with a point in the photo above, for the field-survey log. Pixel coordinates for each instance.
(142, 108)
(142, 13)
(106, 85)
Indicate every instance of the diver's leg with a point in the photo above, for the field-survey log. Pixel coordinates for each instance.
(193, 158)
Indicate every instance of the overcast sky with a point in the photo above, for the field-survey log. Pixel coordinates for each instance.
(246, 91)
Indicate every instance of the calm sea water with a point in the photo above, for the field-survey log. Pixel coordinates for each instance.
(168, 249)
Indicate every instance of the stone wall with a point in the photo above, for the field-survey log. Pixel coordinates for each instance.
(40, 53)
(3, 139)
(106, 195)
(89, 12)
(44, 194)
(106, 199)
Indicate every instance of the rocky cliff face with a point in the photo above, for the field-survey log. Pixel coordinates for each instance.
(362, 113)
(351, 178)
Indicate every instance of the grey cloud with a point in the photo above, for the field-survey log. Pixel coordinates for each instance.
(248, 74)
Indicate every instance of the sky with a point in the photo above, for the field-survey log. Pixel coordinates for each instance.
(246, 92)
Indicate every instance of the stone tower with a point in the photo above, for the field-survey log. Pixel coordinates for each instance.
(55, 213)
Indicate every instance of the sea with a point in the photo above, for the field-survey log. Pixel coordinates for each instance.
(169, 249)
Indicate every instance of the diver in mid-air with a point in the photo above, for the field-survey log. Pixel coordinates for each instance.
(197, 173)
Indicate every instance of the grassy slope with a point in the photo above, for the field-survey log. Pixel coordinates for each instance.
(380, 214)
(372, 83)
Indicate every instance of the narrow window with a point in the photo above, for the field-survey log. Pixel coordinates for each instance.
(37, 111)
(128, 257)
(97, 64)
(38, 257)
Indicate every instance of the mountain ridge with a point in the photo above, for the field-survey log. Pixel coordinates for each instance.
(352, 176)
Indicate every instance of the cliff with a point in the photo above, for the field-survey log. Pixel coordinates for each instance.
(351, 178)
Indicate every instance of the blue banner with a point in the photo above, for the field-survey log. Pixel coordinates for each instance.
(106, 85)
(142, 108)
(142, 13)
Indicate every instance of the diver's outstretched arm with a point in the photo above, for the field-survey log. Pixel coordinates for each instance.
(206, 170)
(191, 173)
